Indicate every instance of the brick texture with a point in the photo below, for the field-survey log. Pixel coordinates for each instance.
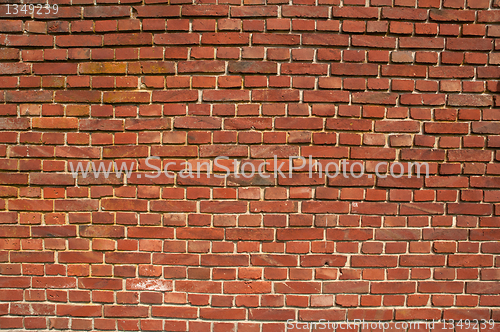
(366, 81)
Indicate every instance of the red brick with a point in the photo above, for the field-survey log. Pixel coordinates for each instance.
(312, 241)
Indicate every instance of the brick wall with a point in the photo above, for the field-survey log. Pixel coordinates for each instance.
(369, 81)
